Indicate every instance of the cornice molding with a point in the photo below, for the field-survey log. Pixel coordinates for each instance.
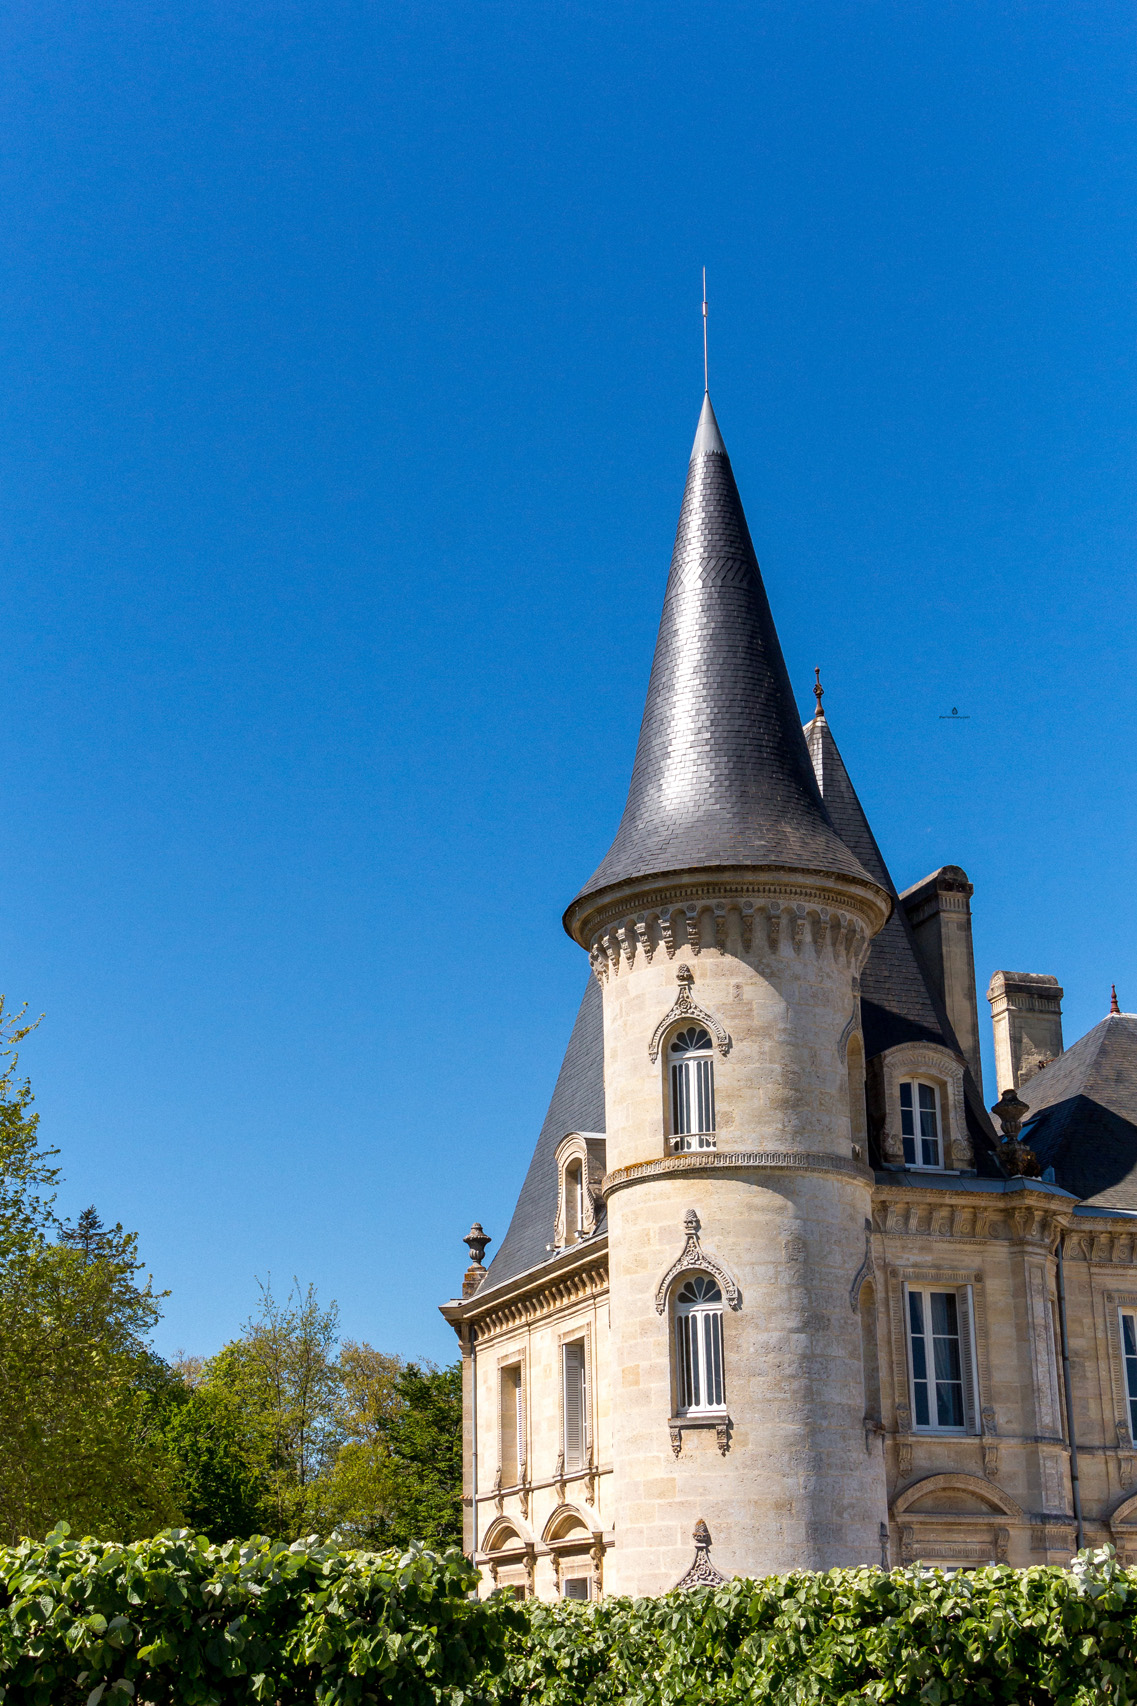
(736, 1161)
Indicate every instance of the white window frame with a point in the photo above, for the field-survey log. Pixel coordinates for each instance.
(691, 1092)
(571, 1351)
(697, 1328)
(574, 1200)
(1128, 1368)
(969, 1367)
(917, 1139)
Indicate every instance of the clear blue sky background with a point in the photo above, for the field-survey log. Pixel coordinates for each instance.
(349, 362)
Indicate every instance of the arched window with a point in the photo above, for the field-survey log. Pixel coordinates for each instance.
(574, 1202)
(920, 1123)
(692, 1065)
(698, 1346)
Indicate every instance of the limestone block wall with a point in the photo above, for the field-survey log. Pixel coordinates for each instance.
(781, 1205)
(546, 1520)
(1004, 1492)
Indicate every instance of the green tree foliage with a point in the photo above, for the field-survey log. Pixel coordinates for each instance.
(282, 1379)
(424, 1438)
(212, 1451)
(174, 1619)
(75, 1318)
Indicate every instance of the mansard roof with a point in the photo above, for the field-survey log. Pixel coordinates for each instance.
(1083, 1114)
(577, 1105)
(898, 1004)
(721, 774)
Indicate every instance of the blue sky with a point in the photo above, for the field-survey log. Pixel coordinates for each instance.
(350, 357)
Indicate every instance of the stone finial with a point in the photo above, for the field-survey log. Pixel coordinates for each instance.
(1010, 1111)
(1018, 1160)
(476, 1239)
(702, 1573)
(1113, 1006)
(818, 693)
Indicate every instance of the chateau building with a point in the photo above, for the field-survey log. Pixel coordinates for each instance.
(777, 1293)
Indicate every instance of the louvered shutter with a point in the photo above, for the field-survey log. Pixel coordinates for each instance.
(967, 1359)
(574, 1405)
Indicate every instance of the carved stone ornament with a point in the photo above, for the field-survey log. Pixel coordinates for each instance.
(694, 1256)
(864, 1272)
(685, 1008)
(702, 1573)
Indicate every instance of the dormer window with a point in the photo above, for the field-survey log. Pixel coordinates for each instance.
(920, 1124)
(580, 1168)
(574, 1202)
(692, 1074)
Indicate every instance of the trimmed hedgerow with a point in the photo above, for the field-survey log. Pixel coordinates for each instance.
(175, 1619)
(1038, 1637)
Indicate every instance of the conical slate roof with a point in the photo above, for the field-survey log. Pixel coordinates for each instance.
(577, 1105)
(1083, 1114)
(721, 775)
(898, 1005)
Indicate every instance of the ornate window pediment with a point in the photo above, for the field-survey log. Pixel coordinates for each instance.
(693, 1256)
(686, 1009)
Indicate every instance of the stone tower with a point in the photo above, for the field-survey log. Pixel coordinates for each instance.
(729, 906)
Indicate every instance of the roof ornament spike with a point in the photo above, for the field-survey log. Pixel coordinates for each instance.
(818, 693)
(1113, 1005)
(706, 370)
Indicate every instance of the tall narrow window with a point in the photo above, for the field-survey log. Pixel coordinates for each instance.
(575, 1390)
(698, 1346)
(692, 1089)
(939, 1341)
(920, 1124)
(574, 1202)
(512, 1449)
(1129, 1350)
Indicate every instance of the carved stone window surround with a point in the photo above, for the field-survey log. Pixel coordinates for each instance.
(898, 1278)
(588, 1149)
(938, 1066)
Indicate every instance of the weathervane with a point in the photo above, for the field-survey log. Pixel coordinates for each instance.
(818, 691)
(706, 374)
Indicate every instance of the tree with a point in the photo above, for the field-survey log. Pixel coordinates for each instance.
(219, 1487)
(425, 1439)
(361, 1488)
(283, 1378)
(74, 1361)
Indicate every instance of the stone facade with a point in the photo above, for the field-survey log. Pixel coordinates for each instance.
(776, 1295)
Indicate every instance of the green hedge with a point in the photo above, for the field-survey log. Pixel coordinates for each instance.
(175, 1619)
(1038, 1637)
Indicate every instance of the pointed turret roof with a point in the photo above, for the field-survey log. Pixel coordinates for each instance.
(721, 775)
(898, 1005)
(1083, 1114)
(577, 1105)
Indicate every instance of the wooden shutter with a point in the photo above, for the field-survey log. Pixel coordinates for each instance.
(967, 1358)
(574, 1404)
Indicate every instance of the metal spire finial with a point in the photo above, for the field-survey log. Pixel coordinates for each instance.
(1113, 1007)
(706, 371)
(818, 692)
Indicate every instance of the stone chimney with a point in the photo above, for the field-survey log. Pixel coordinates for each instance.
(939, 911)
(1026, 1016)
